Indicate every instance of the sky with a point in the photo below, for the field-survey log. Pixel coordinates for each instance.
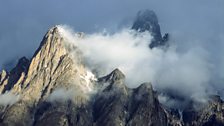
(24, 22)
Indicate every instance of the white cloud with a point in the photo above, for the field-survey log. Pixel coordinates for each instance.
(187, 73)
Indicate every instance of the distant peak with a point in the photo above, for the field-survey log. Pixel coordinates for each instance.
(146, 20)
(147, 15)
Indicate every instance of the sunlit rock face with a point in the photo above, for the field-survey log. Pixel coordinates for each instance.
(146, 20)
(50, 68)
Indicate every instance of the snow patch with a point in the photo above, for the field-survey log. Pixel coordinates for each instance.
(89, 77)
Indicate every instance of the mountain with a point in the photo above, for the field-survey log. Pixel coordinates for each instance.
(51, 67)
(55, 87)
(146, 20)
(53, 74)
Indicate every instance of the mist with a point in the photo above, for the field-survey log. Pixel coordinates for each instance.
(63, 95)
(8, 98)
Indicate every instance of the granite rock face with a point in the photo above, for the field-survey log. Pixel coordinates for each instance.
(50, 68)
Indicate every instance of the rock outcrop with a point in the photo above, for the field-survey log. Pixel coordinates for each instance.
(118, 105)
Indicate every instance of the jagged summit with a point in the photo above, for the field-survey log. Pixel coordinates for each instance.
(51, 41)
(52, 31)
(113, 76)
(113, 81)
(146, 20)
(145, 87)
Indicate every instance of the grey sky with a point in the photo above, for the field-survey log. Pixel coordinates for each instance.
(24, 22)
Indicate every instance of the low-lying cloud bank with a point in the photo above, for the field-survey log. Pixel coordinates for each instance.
(62, 95)
(190, 73)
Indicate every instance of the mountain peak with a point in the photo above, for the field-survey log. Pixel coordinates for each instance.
(51, 39)
(49, 53)
(146, 20)
(51, 67)
(147, 16)
(145, 86)
(114, 80)
(115, 75)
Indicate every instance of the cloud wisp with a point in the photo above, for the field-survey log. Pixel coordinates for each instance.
(8, 99)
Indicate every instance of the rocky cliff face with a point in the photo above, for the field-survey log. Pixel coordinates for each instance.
(50, 68)
(118, 105)
(211, 114)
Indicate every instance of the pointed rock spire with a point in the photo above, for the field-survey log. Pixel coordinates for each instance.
(116, 80)
(115, 75)
(146, 20)
(51, 67)
(51, 50)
